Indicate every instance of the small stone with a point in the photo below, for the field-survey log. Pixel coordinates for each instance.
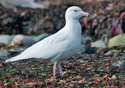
(22, 40)
(118, 40)
(4, 52)
(122, 65)
(114, 77)
(99, 43)
(86, 49)
(6, 39)
(111, 52)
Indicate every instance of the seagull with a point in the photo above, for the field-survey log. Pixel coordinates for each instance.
(59, 46)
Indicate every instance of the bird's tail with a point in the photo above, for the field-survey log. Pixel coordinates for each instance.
(16, 58)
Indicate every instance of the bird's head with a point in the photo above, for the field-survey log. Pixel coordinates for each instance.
(75, 12)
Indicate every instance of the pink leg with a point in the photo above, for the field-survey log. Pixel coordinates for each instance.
(54, 69)
(60, 69)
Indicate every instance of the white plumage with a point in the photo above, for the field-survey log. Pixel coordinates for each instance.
(61, 45)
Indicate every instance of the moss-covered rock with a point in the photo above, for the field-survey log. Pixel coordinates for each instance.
(117, 40)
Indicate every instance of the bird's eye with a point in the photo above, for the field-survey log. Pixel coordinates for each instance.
(75, 10)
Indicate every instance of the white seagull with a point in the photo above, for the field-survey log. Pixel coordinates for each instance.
(59, 46)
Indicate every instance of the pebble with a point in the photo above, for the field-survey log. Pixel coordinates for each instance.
(6, 39)
(22, 40)
(99, 43)
(3, 52)
(118, 40)
(86, 49)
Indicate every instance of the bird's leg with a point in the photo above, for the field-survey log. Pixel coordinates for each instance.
(54, 69)
(60, 69)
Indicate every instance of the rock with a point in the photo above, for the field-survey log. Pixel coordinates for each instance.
(114, 64)
(86, 49)
(99, 43)
(85, 39)
(111, 52)
(122, 65)
(119, 64)
(17, 50)
(3, 53)
(114, 77)
(27, 40)
(6, 39)
(22, 40)
(3, 58)
(117, 40)
(32, 37)
(41, 37)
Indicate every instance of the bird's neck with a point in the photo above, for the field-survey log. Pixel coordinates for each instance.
(73, 26)
(73, 29)
(70, 20)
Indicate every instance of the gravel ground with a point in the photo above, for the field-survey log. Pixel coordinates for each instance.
(103, 69)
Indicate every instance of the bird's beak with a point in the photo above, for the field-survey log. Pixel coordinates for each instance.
(85, 14)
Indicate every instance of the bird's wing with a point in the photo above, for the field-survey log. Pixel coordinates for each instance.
(47, 48)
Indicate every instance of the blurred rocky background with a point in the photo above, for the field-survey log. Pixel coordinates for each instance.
(28, 21)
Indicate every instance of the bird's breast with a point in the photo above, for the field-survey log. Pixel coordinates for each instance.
(74, 43)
